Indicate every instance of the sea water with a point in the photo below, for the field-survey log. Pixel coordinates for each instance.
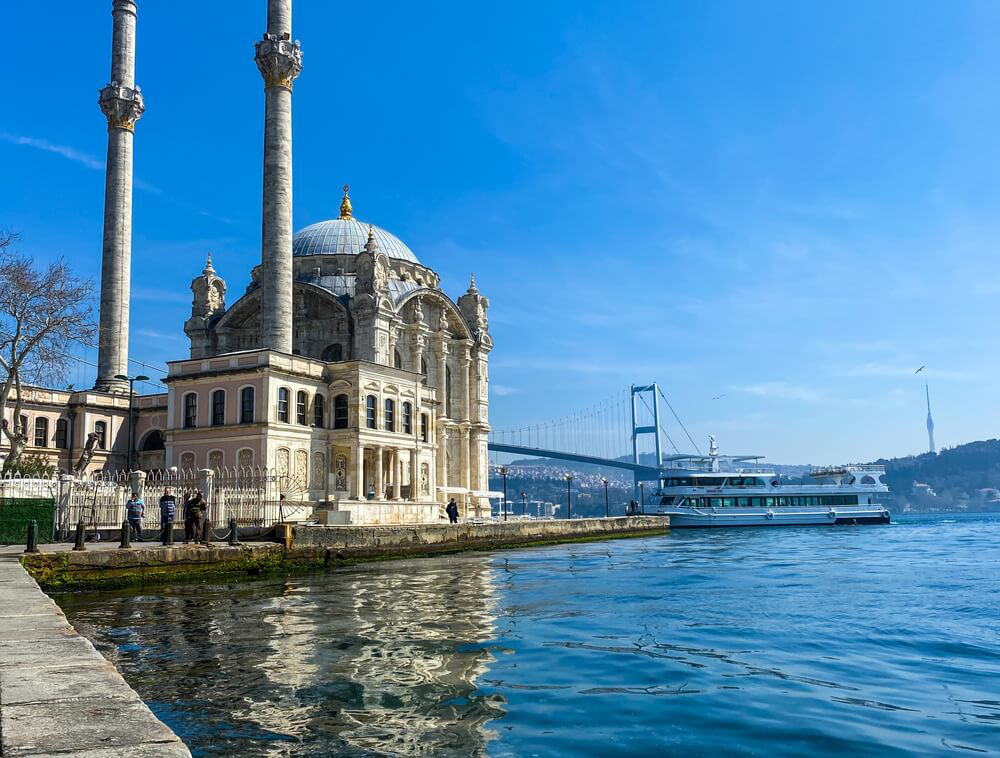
(867, 640)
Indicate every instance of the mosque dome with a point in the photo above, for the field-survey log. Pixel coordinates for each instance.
(347, 236)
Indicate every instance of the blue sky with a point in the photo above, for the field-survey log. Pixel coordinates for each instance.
(789, 204)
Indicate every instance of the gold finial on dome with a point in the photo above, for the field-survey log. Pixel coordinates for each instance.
(209, 269)
(345, 204)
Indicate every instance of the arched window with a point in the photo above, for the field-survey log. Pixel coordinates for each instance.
(190, 410)
(246, 405)
(334, 353)
(101, 430)
(283, 405)
(390, 414)
(41, 432)
(301, 406)
(447, 392)
(319, 411)
(370, 420)
(62, 434)
(397, 359)
(407, 418)
(340, 414)
(425, 424)
(152, 441)
(218, 408)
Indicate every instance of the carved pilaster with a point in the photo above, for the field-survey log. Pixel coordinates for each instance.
(122, 106)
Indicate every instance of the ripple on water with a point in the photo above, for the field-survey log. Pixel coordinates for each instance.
(861, 641)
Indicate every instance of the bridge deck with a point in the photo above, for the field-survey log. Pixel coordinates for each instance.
(641, 471)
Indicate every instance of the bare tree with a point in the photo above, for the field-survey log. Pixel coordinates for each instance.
(42, 313)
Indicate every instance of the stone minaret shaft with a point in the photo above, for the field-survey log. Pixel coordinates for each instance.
(280, 61)
(121, 102)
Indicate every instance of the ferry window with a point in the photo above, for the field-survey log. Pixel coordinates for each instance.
(756, 502)
(727, 502)
(742, 502)
(782, 501)
(769, 502)
(794, 501)
(706, 502)
(716, 502)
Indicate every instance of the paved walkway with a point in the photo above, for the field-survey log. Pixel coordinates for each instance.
(58, 695)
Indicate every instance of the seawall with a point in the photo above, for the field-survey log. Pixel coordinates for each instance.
(311, 548)
(58, 695)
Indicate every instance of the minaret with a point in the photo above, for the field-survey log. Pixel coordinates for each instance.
(280, 61)
(121, 101)
(930, 422)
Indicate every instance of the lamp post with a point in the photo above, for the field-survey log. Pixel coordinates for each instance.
(131, 425)
(607, 507)
(642, 499)
(524, 507)
(503, 472)
(569, 496)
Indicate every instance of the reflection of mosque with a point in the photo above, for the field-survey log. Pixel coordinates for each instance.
(383, 659)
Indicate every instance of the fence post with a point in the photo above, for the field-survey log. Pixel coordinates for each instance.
(126, 534)
(61, 526)
(32, 546)
(137, 480)
(81, 536)
(206, 478)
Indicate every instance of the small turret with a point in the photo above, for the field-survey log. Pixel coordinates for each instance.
(474, 306)
(208, 303)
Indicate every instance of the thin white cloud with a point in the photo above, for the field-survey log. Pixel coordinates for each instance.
(781, 391)
(69, 153)
(502, 390)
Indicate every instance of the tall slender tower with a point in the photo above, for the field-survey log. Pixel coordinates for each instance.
(121, 101)
(930, 422)
(280, 61)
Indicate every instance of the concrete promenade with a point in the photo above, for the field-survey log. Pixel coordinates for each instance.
(58, 695)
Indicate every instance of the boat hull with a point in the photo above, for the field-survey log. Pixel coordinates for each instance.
(684, 518)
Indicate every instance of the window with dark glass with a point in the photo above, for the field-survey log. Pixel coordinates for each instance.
(340, 412)
(319, 411)
(101, 430)
(423, 369)
(390, 415)
(283, 405)
(62, 434)
(41, 432)
(424, 424)
(190, 410)
(301, 406)
(407, 418)
(218, 408)
(334, 353)
(246, 405)
(397, 359)
(370, 420)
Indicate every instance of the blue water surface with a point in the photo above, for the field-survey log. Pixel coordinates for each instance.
(868, 640)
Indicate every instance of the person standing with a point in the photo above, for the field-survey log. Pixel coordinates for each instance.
(452, 511)
(134, 511)
(190, 532)
(199, 511)
(168, 511)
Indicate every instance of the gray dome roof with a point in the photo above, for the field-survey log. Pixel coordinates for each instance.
(347, 236)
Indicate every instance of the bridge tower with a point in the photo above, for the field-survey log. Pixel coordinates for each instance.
(637, 395)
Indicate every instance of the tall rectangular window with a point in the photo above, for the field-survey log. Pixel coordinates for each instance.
(62, 434)
(319, 412)
(190, 410)
(246, 405)
(341, 415)
(101, 430)
(41, 432)
(370, 420)
(218, 408)
(283, 405)
(390, 415)
(407, 418)
(424, 427)
(301, 406)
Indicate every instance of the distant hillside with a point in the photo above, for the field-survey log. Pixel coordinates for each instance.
(966, 477)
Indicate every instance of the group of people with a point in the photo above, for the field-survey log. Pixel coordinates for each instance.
(195, 509)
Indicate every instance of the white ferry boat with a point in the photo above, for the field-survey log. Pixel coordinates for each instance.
(714, 490)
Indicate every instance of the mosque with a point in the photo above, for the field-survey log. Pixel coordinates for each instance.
(343, 365)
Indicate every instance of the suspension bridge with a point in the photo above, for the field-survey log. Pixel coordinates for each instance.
(611, 433)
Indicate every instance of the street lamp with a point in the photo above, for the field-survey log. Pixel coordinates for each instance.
(607, 508)
(503, 472)
(131, 425)
(569, 496)
(642, 499)
(524, 507)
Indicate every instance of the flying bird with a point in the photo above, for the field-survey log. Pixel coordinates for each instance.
(718, 397)
(919, 369)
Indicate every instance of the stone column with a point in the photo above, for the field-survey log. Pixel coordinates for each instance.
(379, 475)
(442, 383)
(414, 476)
(463, 453)
(442, 460)
(465, 363)
(122, 104)
(397, 474)
(280, 61)
(359, 473)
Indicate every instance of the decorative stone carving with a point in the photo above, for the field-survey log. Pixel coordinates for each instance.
(425, 479)
(319, 471)
(209, 293)
(246, 458)
(473, 306)
(215, 460)
(340, 473)
(187, 461)
(279, 61)
(122, 106)
(418, 312)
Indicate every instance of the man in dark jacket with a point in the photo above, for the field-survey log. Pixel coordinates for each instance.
(194, 515)
(168, 512)
(452, 511)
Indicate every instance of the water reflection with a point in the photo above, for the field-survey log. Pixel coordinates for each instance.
(381, 659)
